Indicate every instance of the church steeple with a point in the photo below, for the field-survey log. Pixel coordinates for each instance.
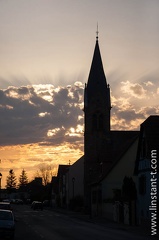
(97, 123)
(96, 79)
(97, 91)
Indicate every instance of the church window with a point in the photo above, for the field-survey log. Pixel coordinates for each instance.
(97, 122)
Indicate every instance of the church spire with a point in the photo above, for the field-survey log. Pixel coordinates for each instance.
(96, 122)
(97, 91)
(97, 79)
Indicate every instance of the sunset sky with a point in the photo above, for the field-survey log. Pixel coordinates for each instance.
(46, 49)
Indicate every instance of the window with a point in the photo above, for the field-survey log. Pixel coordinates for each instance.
(97, 122)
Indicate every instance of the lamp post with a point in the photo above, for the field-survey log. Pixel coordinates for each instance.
(0, 183)
(73, 184)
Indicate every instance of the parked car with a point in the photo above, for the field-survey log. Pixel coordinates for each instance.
(5, 206)
(7, 224)
(46, 203)
(6, 200)
(19, 201)
(37, 205)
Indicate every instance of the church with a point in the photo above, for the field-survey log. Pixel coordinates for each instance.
(100, 178)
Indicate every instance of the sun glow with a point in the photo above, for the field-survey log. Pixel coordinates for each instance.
(31, 156)
(78, 131)
(45, 91)
(43, 114)
(53, 132)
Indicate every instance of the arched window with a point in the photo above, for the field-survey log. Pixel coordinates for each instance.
(97, 122)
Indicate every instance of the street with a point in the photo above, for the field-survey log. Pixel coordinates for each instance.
(49, 225)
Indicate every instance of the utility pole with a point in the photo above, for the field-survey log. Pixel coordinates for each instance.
(0, 181)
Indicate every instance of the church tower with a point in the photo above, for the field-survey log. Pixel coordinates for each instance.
(97, 108)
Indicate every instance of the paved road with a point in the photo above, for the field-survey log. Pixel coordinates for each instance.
(50, 225)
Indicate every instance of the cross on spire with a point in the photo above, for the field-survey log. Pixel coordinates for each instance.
(97, 32)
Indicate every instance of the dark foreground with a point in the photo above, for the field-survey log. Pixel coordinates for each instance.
(49, 225)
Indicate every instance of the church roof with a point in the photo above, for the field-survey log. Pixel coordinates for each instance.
(120, 142)
(96, 80)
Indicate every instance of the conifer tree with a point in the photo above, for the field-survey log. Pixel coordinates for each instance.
(23, 179)
(11, 181)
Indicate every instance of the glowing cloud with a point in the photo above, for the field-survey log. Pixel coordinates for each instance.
(133, 89)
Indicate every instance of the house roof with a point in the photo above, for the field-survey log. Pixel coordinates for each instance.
(62, 170)
(81, 159)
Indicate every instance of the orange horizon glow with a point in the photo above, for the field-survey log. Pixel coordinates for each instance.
(31, 156)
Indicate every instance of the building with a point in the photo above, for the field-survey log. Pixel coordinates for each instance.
(68, 184)
(147, 168)
(107, 197)
(75, 184)
(61, 182)
(105, 172)
(103, 147)
(97, 106)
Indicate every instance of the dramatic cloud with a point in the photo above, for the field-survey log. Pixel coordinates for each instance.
(50, 116)
(134, 89)
(43, 123)
(134, 103)
(41, 114)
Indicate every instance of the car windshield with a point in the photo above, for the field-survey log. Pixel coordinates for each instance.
(5, 215)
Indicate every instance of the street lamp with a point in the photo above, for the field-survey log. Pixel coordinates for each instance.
(0, 179)
(0, 183)
(73, 183)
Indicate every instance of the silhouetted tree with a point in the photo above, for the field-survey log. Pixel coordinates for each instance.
(23, 180)
(45, 172)
(11, 181)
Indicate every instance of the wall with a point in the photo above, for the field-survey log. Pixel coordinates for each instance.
(114, 180)
(125, 167)
(76, 171)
